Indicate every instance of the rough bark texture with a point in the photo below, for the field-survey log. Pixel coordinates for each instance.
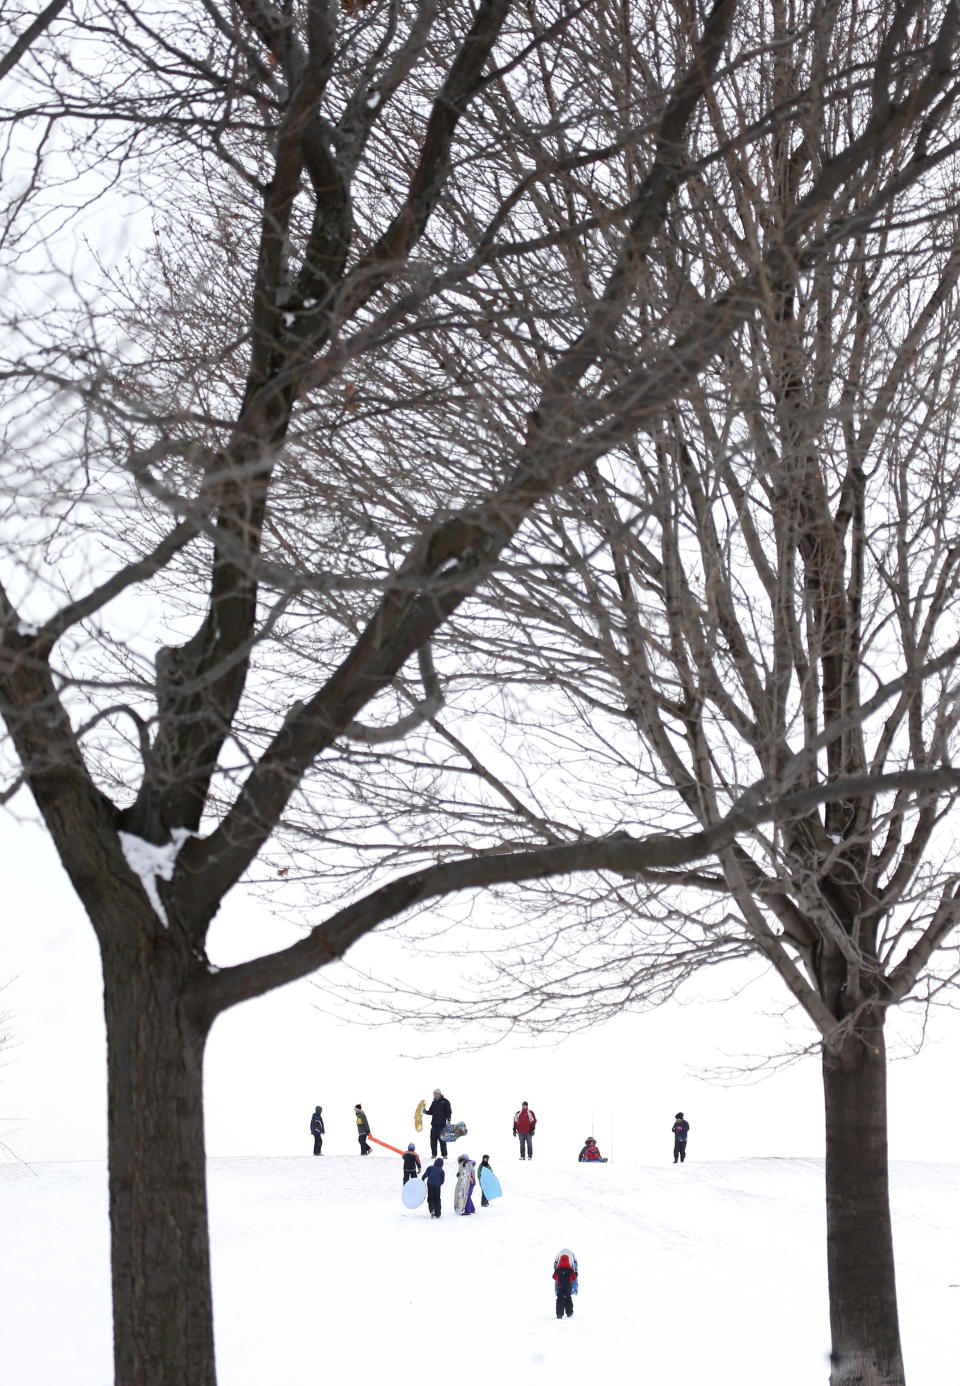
(396, 205)
(863, 1293)
(158, 1203)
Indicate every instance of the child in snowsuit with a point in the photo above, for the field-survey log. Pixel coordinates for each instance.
(411, 1163)
(565, 1282)
(680, 1129)
(434, 1178)
(484, 1164)
(590, 1154)
(316, 1131)
(465, 1170)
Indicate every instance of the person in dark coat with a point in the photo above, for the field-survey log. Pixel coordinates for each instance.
(363, 1130)
(564, 1279)
(440, 1113)
(524, 1125)
(411, 1163)
(433, 1178)
(484, 1164)
(680, 1128)
(316, 1131)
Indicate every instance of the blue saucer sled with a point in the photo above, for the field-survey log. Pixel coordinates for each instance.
(489, 1183)
(413, 1193)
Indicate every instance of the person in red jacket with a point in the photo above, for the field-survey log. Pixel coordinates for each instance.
(590, 1154)
(524, 1125)
(565, 1282)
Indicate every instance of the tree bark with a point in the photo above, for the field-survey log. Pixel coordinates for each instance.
(156, 1034)
(863, 1296)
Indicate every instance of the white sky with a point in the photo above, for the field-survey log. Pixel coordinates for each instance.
(270, 1061)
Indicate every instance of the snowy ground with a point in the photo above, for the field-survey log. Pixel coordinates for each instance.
(707, 1273)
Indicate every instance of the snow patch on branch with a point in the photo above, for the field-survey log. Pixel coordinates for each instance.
(148, 861)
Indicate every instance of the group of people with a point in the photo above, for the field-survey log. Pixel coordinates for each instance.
(318, 1130)
(435, 1175)
(440, 1113)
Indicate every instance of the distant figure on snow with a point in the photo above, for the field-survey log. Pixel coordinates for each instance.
(680, 1128)
(411, 1163)
(316, 1131)
(363, 1129)
(524, 1125)
(440, 1113)
(565, 1282)
(484, 1164)
(590, 1154)
(433, 1178)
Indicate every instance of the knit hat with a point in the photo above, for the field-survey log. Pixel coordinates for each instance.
(679, 1116)
(411, 1146)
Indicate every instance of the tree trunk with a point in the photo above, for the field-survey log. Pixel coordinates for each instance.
(156, 1034)
(863, 1297)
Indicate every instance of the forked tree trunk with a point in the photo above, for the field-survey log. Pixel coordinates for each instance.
(863, 1297)
(162, 1307)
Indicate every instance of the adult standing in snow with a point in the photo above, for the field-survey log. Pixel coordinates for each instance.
(524, 1125)
(680, 1129)
(440, 1112)
(363, 1129)
(433, 1178)
(316, 1131)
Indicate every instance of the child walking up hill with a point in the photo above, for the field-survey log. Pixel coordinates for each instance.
(565, 1282)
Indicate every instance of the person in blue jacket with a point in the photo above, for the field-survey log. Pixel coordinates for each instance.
(434, 1177)
(316, 1131)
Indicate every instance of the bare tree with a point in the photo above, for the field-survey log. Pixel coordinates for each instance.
(762, 590)
(399, 298)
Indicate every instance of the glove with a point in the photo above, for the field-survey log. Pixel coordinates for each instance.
(514, 1130)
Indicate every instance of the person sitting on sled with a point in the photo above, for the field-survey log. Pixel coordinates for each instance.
(590, 1154)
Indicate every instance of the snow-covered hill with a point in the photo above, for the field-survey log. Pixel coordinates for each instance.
(709, 1274)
